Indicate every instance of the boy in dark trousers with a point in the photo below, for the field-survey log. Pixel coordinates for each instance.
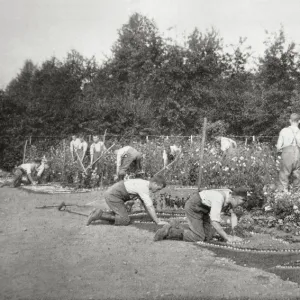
(202, 210)
(121, 192)
(126, 157)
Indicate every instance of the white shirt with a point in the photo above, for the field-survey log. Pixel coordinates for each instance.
(227, 143)
(120, 154)
(215, 200)
(83, 146)
(30, 167)
(97, 147)
(289, 136)
(140, 188)
(174, 149)
(75, 145)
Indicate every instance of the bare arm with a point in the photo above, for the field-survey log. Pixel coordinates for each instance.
(84, 148)
(92, 153)
(280, 141)
(71, 150)
(234, 220)
(118, 162)
(220, 230)
(30, 178)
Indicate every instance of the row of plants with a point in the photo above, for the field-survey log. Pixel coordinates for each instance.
(253, 166)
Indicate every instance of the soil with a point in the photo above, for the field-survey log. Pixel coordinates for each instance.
(51, 254)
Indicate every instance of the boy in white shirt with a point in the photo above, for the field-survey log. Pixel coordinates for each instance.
(170, 153)
(126, 157)
(97, 148)
(202, 210)
(74, 146)
(121, 192)
(289, 143)
(28, 169)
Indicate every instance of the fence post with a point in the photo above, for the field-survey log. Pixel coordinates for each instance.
(191, 139)
(64, 161)
(24, 153)
(246, 141)
(202, 153)
(147, 139)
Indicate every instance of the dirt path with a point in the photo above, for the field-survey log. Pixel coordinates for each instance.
(47, 254)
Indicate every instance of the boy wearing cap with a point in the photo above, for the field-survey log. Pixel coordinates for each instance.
(202, 210)
(289, 143)
(121, 192)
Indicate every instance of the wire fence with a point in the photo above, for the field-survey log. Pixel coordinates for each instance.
(56, 149)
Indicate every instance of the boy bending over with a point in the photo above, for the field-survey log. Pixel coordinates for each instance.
(121, 192)
(202, 210)
(34, 168)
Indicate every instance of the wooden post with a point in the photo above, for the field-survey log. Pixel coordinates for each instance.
(64, 161)
(24, 153)
(202, 153)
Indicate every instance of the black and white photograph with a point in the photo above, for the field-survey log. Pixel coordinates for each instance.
(149, 149)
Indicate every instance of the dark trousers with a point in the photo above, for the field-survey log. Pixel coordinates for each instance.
(18, 174)
(115, 197)
(198, 221)
(133, 159)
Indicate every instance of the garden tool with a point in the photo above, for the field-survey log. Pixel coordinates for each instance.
(166, 167)
(59, 207)
(81, 164)
(100, 157)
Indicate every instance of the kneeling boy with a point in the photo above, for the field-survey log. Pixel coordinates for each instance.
(121, 192)
(28, 169)
(203, 210)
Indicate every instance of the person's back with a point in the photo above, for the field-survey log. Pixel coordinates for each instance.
(289, 143)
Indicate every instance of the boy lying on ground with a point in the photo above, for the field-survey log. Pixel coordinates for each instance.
(121, 192)
(203, 210)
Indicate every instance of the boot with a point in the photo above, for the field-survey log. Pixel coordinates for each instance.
(162, 233)
(100, 215)
(168, 232)
(121, 177)
(172, 231)
(94, 215)
(175, 234)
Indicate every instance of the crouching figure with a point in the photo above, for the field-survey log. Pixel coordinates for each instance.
(123, 191)
(202, 210)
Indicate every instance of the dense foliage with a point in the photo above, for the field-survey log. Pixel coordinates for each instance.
(152, 83)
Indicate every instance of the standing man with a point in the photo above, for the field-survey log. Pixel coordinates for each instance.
(121, 192)
(289, 143)
(202, 210)
(74, 146)
(126, 157)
